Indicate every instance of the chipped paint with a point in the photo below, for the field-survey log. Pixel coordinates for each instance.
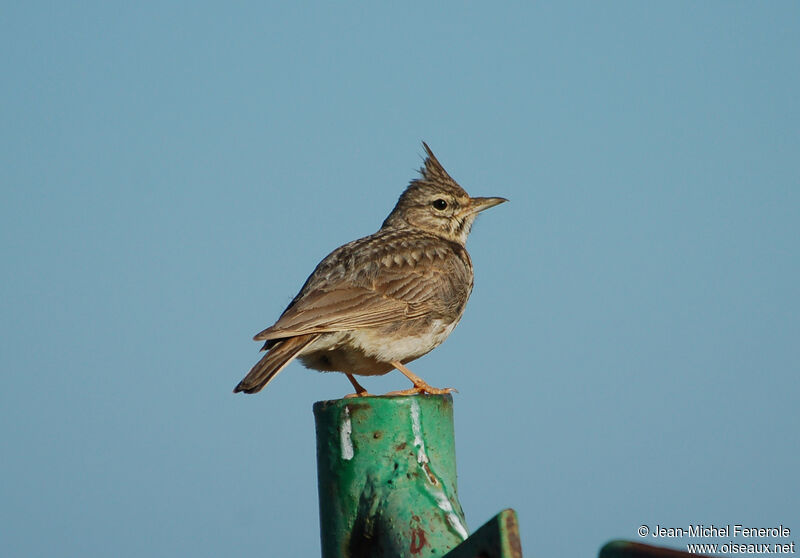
(418, 540)
(345, 430)
(452, 517)
(416, 428)
(442, 501)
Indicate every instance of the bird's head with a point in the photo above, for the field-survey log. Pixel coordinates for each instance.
(435, 203)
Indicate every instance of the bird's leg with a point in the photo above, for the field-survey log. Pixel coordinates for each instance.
(360, 390)
(420, 385)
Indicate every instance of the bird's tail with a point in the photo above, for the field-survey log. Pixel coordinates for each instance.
(276, 359)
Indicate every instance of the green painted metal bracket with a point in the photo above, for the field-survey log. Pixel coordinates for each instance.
(387, 477)
(386, 469)
(498, 538)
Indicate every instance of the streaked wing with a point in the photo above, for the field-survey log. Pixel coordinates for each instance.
(402, 287)
(341, 309)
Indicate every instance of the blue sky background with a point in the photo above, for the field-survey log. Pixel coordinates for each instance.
(171, 173)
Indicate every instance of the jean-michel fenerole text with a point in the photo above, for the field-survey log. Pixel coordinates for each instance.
(721, 531)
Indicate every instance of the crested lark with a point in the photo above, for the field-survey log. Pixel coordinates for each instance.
(386, 299)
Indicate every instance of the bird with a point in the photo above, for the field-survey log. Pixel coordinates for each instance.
(382, 301)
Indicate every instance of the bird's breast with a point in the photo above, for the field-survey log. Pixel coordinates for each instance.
(404, 341)
(368, 351)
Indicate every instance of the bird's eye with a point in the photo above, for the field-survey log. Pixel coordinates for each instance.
(440, 204)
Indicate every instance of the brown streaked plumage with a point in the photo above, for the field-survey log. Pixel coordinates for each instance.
(384, 300)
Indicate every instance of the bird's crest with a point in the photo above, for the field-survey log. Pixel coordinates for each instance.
(433, 171)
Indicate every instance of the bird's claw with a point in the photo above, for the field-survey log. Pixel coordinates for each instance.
(423, 389)
(364, 393)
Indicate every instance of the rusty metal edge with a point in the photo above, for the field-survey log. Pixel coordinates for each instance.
(497, 538)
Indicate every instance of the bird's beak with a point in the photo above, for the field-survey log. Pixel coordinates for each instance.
(476, 205)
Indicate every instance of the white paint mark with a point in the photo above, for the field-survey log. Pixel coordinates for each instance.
(416, 427)
(452, 517)
(438, 494)
(344, 436)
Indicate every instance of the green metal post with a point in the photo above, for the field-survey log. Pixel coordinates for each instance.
(387, 477)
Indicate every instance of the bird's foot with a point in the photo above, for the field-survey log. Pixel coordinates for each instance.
(422, 389)
(361, 391)
(364, 393)
(420, 385)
